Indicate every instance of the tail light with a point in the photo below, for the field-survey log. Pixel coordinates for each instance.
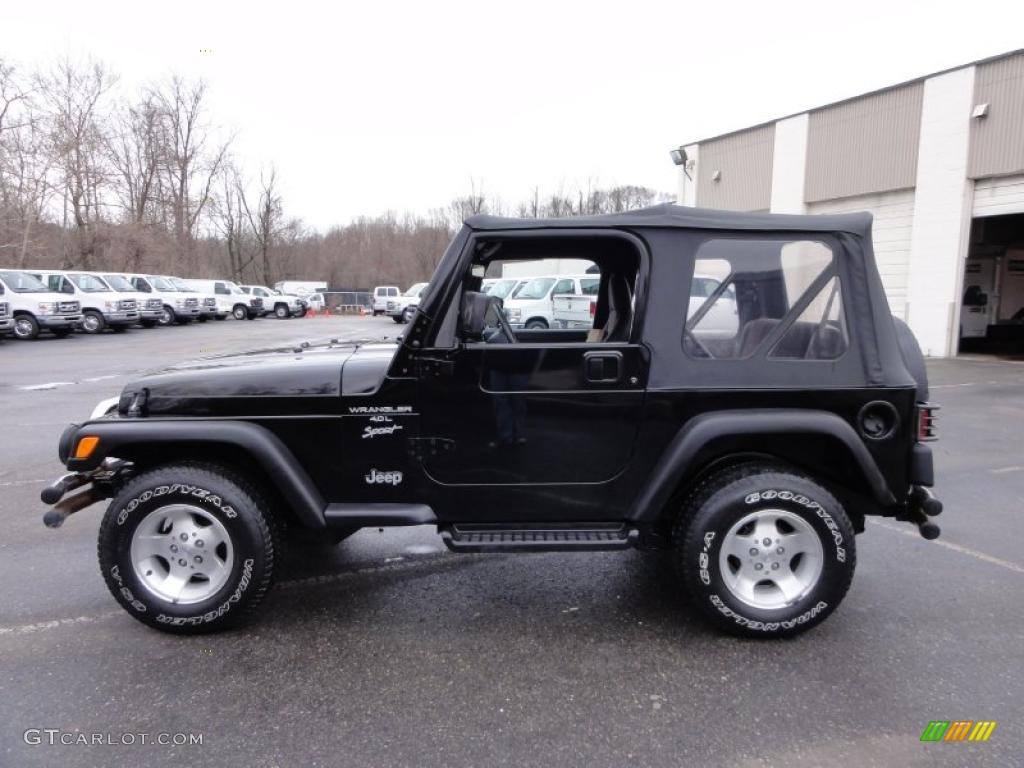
(593, 308)
(926, 418)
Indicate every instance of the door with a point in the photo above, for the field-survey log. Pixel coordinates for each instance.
(535, 414)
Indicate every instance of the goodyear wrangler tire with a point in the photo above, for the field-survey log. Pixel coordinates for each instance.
(763, 552)
(188, 549)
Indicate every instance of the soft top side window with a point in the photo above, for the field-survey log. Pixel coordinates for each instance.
(751, 296)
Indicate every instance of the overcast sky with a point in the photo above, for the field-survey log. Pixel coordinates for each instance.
(370, 106)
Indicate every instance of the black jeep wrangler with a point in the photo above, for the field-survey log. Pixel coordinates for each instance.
(744, 399)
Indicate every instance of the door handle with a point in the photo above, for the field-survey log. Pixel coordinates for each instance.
(602, 367)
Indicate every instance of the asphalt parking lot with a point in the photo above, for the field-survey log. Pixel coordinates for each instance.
(388, 651)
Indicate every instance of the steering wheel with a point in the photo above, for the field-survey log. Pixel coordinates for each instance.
(506, 328)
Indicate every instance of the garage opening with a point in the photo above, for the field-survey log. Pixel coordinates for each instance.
(992, 302)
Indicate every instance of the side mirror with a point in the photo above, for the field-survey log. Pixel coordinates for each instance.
(473, 314)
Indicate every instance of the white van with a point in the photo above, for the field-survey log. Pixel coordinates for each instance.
(178, 307)
(101, 306)
(231, 299)
(150, 308)
(530, 304)
(381, 294)
(35, 307)
(207, 301)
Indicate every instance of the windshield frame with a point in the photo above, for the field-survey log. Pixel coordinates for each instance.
(549, 281)
(5, 276)
(74, 277)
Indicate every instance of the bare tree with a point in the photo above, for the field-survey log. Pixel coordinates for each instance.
(72, 94)
(191, 160)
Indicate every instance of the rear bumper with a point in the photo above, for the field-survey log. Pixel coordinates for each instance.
(922, 471)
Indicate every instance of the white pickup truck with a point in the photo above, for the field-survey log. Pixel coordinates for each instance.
(720, 322)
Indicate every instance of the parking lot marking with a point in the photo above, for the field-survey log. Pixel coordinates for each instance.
(956, 548)
(42, 626)
(47, 385)
(6, 483)
(1001, 470)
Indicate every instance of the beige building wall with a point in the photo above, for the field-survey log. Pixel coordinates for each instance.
(735, 171)
(864, 145)
(997, 139)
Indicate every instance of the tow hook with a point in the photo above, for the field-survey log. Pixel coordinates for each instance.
(920, 506)
(55, 492)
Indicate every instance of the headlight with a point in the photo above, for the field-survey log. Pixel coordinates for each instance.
(110, 305)
(515, 315)
(179, 303)
(47, 308)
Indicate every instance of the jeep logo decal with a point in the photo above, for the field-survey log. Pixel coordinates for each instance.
(376, 477)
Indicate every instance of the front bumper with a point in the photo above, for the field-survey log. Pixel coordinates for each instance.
(127, 317)
(58, 321)
(6, 324)
(187, 312)
(150, 314)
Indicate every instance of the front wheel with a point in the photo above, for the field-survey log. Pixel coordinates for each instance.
(188, 549)
(26, 327)
(764, 552)
(93, 322)
(281, 312)
(536, 325)
(240, 312)
(167, 316)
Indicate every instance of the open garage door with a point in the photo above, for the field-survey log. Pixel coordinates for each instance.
(992, 303)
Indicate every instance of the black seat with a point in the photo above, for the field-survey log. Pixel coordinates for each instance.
(620, 308)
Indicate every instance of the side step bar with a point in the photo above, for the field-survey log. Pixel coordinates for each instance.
(539, 537)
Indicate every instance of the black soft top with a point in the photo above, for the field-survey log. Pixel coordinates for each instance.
(669, 215)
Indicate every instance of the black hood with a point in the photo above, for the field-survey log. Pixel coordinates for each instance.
(279, 381)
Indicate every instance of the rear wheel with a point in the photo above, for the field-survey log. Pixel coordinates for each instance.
(764, 552)
(188, 549)
(92, 321)
(26, 327)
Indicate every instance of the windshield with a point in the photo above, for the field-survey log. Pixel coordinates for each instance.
(118, 283)
(89, 284)
(534, 289)
(181, 285)
(163, 285)
(22, 282)
(415, 290)
(502, 288)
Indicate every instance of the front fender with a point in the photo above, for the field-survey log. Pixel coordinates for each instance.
(121, 438)
(678, 458)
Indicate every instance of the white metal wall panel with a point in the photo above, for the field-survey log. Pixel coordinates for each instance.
(893, 224)
(994, 197)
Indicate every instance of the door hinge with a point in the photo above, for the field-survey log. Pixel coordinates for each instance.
(421, 448)
(435, 366)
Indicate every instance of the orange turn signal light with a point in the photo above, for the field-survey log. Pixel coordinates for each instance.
(86, 446)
